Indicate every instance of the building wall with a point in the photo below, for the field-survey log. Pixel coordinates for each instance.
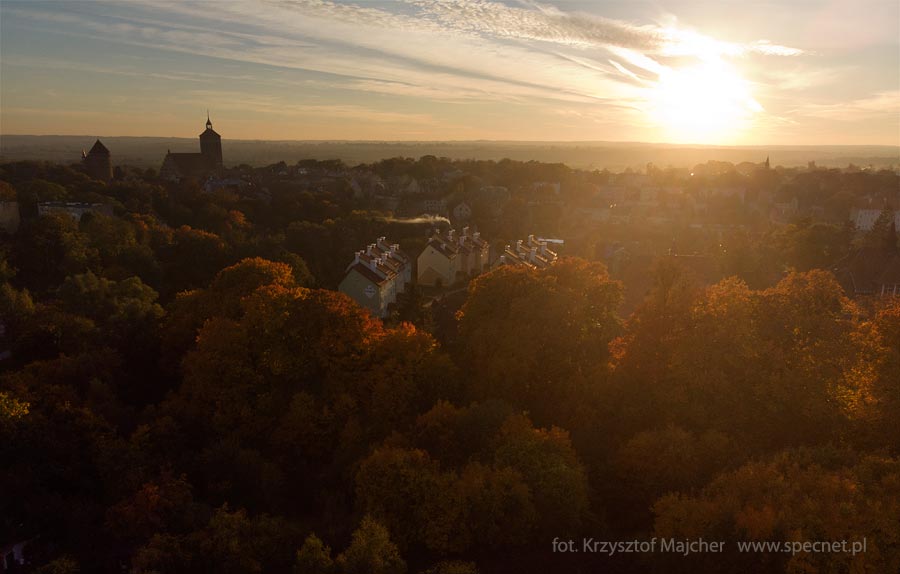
(364, 292)
(98, 166)
(169, 170)
(434, 265)
(211, 148)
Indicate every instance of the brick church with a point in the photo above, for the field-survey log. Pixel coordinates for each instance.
(199, 166)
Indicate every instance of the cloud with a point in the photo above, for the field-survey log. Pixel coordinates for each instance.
(878, 105)
(444, 58)
(549, 24)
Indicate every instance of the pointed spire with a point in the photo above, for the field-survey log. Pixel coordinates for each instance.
(208, 121)
(767, 162)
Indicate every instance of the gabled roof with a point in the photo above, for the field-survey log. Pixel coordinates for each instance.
(443, 248)
(368, 274)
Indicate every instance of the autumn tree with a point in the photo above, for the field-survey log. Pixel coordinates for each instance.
(537, 338)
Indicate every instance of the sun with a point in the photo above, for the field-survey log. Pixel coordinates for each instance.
(707, 103)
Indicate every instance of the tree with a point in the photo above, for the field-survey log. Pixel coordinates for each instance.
(796, 496)
(405, 490)
(550, 467)
(371, 551)
(530, 337)
(314, 557)
(190, 309)
(48, 249)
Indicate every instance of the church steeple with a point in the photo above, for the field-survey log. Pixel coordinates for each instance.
(211, 145)
(767, 162)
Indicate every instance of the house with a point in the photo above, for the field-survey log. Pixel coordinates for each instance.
(376, 276)
(434, 207)
(870, 271)
(75, 210)
(462, 211)
(533, 253)
(450, 257)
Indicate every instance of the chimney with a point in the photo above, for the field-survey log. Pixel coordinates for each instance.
(356, 257)
(476, 235)
(532, 254)
(465, 231)
(370, 249)
(531, 240)
(451, 234)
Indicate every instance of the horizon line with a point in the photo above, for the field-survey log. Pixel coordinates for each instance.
(460, 141)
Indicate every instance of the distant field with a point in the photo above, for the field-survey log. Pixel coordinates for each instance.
(149, 152)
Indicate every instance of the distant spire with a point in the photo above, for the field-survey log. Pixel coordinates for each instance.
(767, 162)
(208, 121)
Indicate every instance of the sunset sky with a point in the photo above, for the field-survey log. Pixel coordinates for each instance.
(720, 72)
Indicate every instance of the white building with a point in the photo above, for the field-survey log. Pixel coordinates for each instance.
(450, 257)
(533, 253)
(376, 276)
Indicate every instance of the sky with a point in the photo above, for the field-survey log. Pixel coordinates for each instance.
(726, 72)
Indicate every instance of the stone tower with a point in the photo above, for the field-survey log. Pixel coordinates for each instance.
(211, 146)
(97, 162)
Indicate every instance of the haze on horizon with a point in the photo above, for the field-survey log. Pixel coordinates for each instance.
(725, 73)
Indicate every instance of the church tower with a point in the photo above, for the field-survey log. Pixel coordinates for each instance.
(211, 146)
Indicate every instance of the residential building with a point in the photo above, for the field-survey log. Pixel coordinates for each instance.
(533, 253)
(75, 210)
(434, 207)
(462, 211)
(451, 256)
(870, 271)
(376, 276)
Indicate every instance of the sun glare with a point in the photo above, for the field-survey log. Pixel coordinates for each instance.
(707, 103)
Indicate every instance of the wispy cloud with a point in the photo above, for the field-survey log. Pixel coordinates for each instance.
(436, 57)
(879, 105)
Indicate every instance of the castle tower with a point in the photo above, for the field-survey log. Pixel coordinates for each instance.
(211, 146)
(97, 162)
